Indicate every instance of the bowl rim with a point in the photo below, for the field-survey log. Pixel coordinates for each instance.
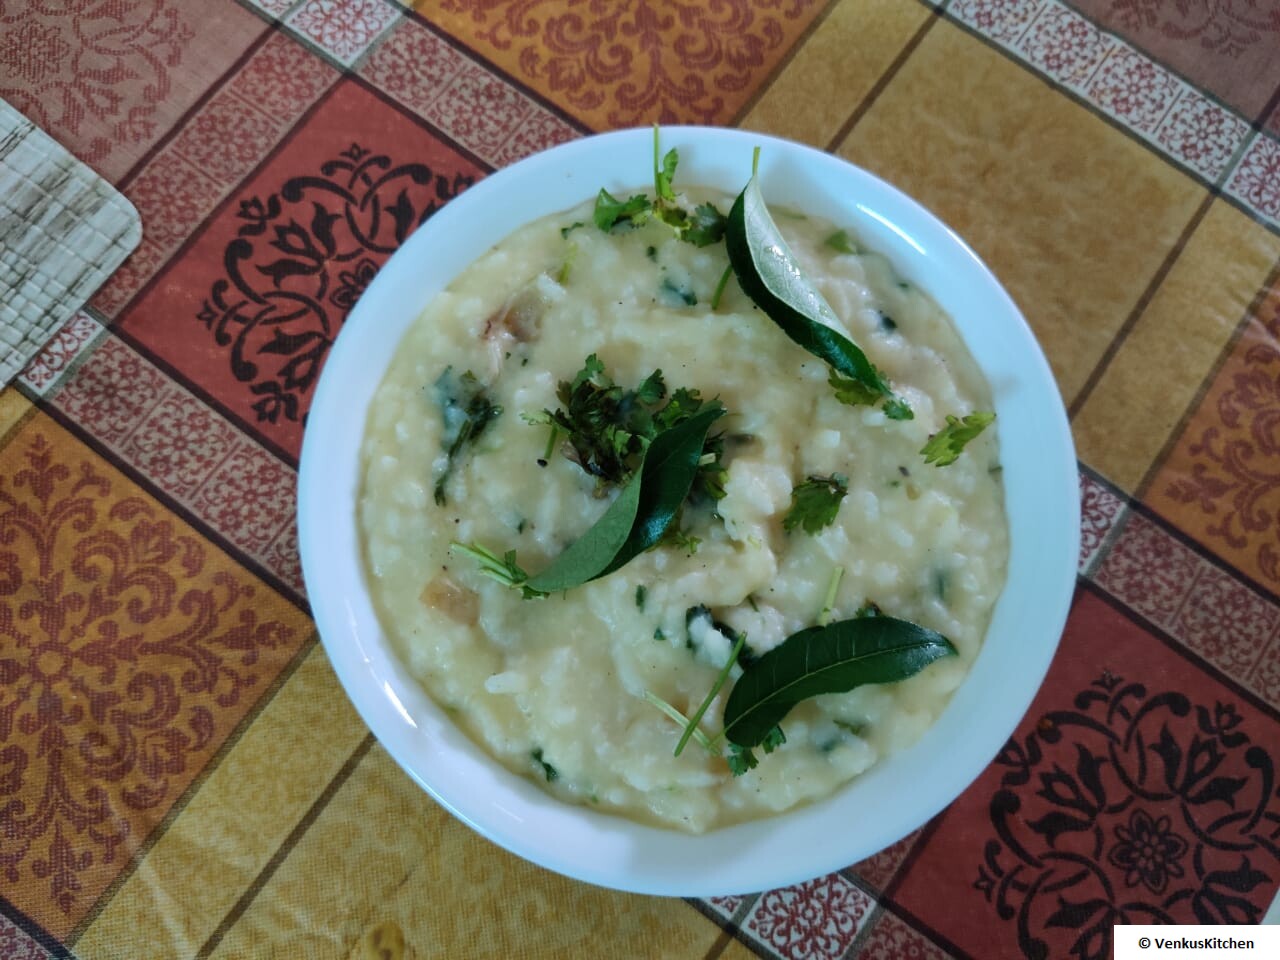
(1042, 504)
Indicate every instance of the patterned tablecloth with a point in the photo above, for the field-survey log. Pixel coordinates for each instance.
(180, 773)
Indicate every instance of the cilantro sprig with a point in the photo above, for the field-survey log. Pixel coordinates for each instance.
(945, 446)
(701, 226)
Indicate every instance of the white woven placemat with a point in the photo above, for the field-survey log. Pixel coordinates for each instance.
(63, 231)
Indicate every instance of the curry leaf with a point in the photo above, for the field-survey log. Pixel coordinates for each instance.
(639, 517)
(769, 274)
(831, 659)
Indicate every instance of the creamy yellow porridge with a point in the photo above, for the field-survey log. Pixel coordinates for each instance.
(563, 688)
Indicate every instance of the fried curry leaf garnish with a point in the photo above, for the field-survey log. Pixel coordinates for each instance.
(606, 428)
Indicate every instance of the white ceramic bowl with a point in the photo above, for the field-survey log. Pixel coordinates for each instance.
(878, 808)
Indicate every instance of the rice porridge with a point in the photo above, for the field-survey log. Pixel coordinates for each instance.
(563, 688)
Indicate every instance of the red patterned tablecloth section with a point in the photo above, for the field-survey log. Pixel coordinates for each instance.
(110, 80)
(1139, 789)
(468, 102)
(190, 453)
(248, 310)
(211, 151)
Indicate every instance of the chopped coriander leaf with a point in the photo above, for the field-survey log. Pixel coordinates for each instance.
(840, 242)
(611, 212)
(741, 759)
(773, 740)
(466, 411)
(939, 581)
(705, 226)
(944, 447)
(651, 253)
(702, 226)
(565, 231)
(815, 502)
(606, 427)
(674, 294)
(677, 538)
(684, 403)
(659, 635)
(855, 393)
(652, 389)
(897, 409)
(641, 593)
(548, 770)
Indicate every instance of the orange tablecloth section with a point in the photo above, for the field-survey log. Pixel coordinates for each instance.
(180, 772)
